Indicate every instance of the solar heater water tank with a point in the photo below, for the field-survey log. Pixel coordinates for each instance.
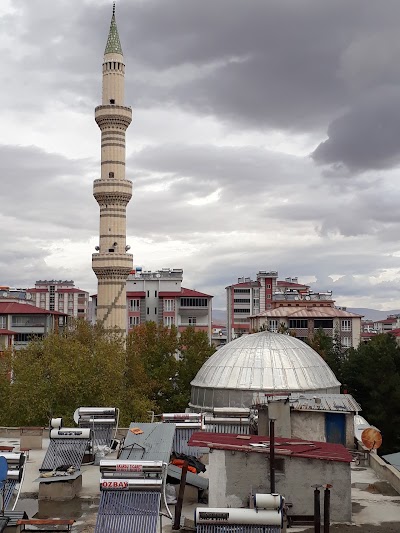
(182, 417)
(131, 484)
(71, 433)
(56, 423)
(13, 458)
(237, 517)
(117, 466)
(268, 501)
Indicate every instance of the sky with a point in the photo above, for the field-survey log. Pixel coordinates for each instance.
(265, 136)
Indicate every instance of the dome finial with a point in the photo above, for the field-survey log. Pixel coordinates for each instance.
(114, 9)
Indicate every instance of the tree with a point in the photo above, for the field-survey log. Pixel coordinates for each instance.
(330, 349)
(195, 349)
(372, 375)
(55, 375)
(166, 363)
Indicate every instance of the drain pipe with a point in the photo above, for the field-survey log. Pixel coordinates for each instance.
(327, 508)
(272, 454)
(317, 509)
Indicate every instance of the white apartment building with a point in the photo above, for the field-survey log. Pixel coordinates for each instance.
(61, 296)
(159, 297)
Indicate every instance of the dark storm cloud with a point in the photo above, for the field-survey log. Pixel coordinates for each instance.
(367, 137)
(260, 64)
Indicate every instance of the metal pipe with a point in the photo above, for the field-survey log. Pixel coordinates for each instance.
(272, 454)
(317, 510)
(178, 508)
(327, 508)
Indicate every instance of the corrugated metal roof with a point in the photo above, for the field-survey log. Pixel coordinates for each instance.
(292, 447)
(344, 403)
(393, 459)
(306, 312)
(154, 444)
(266, 362)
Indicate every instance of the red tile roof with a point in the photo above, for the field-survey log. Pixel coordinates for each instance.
(306, 312)
(133, 294)
(292, 447)
(11, 308)
(7, 332)
(291, 285)
(183, 292)
(395, 332)
(190, 292)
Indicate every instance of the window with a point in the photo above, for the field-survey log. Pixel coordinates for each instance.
(111, 175)
(323, 323)
(192, 321)
(134, 305)
(241, 291)
(3, 322)
(346, 342)
(298, 324)
(28, 321)
(241, 311)
(27, 337)
(155, 294)
(346, 325)
(241, 300)
(42, 296)
(112, 101)
(168, 305)
(168, 321)
(134, 321)
(148, 294)
(194, 302)
(273, 325)
(268, 285)
(148, 310)
(268, 296)
(155, 310)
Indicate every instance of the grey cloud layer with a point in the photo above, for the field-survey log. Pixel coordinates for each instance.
(312, 67)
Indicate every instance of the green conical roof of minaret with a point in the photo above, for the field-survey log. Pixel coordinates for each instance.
(113, 45)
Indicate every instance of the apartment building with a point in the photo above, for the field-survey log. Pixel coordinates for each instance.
(305, 321)
(250, 297)
(159, 297)
(61, 296)
(21, 321)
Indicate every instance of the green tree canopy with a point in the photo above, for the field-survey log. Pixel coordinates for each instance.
(372, 375)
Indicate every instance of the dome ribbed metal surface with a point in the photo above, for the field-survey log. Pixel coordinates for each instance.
(261, 362)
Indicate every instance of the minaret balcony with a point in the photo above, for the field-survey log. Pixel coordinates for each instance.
(113, 115)
(112, 260)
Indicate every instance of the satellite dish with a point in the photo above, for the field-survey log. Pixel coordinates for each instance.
(76, 416)
(371, 438)
(3, 469)
(307, 298)
(28, 296)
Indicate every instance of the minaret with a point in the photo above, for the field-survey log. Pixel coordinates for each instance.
(113, 191)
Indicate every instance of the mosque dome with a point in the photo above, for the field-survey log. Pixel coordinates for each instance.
(260, 363)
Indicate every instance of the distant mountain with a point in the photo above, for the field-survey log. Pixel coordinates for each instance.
(372, 314)
(219, 315)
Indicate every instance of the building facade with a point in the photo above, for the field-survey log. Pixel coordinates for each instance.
(111, 263)
(22, 322)
(248, 297)
(159, 297)
(305, 321)
(62, 296)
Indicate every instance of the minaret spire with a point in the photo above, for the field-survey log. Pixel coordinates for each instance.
(112, 264)
(113, 43)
